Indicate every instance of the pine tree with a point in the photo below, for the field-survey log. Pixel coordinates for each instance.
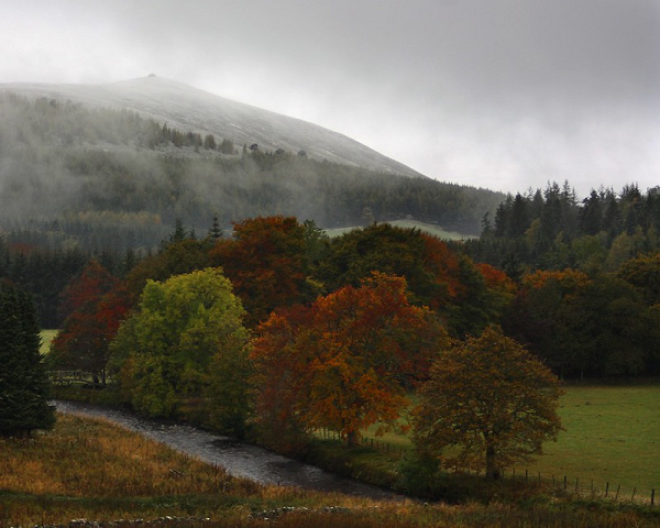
(24, 386)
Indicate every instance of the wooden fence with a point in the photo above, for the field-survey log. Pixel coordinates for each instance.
(587, 488)
(583, 488)
(70, 377)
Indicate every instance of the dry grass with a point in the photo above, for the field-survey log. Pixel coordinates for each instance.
(90, 469)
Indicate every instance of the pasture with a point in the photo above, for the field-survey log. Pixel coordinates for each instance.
(47, 337)
(612, 434)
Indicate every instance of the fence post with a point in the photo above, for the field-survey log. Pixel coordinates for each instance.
(526, 476)
(618, 488)
(632, 499)
(653, 497)
(607, 489)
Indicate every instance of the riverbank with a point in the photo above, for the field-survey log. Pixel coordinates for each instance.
(239, 459)
(102, 475)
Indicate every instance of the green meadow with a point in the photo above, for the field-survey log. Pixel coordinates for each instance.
(612, 435)
(91, 471)
(47, 337)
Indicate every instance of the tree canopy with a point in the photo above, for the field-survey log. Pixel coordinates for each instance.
(488, 404)
(164, 351)
(348, 361)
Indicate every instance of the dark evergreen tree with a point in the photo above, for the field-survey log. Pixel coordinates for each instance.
(24, 386)
(519, 220)
(216, 231)
(591, 214)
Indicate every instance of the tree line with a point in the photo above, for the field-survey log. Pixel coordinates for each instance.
(552, 229)
(279, 331)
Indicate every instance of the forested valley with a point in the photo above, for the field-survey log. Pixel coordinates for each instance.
(185, 285)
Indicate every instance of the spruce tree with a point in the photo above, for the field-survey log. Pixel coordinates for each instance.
(24, 386)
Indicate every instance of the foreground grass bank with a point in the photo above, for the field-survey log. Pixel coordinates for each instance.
(90, 469)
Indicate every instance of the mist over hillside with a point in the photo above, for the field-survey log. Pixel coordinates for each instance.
(186, 108)
(113, 167)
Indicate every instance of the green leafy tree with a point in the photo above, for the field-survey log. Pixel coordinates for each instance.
(488, 404)
(643, 272)
(24, 386)
(163, 353)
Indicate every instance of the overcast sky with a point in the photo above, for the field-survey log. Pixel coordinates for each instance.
(502, 94)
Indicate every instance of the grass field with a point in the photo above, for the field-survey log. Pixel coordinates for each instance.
(46, 337)
(612, 434)
(407, 224)
(88, 469)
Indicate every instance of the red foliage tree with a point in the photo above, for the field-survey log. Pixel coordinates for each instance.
(96, 304)
(266, 263)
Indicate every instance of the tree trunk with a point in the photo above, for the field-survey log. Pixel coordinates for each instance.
(492, 471)
(353, 438)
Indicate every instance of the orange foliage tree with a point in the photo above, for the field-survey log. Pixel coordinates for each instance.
(346, 362)
(488, 404)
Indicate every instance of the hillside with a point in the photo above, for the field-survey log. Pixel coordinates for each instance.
(189, 109)
(112, 167)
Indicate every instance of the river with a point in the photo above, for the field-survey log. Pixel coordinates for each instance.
(238, 458)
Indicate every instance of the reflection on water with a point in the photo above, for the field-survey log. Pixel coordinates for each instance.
(238, 458)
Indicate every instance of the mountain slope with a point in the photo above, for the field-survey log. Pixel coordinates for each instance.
(95, 167)
(190, 109)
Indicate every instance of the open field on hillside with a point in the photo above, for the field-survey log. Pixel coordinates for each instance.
(88, 469)
(407, 224)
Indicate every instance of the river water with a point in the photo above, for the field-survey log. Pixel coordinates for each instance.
(238, 458)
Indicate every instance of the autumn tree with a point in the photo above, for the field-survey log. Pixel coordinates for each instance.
(437, 276)
(267, 264)
(348, 361)
(183, 329)
(488, 404)
(24, 386)
(96, 305)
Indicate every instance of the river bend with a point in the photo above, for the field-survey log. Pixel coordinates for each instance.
(238, 458)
